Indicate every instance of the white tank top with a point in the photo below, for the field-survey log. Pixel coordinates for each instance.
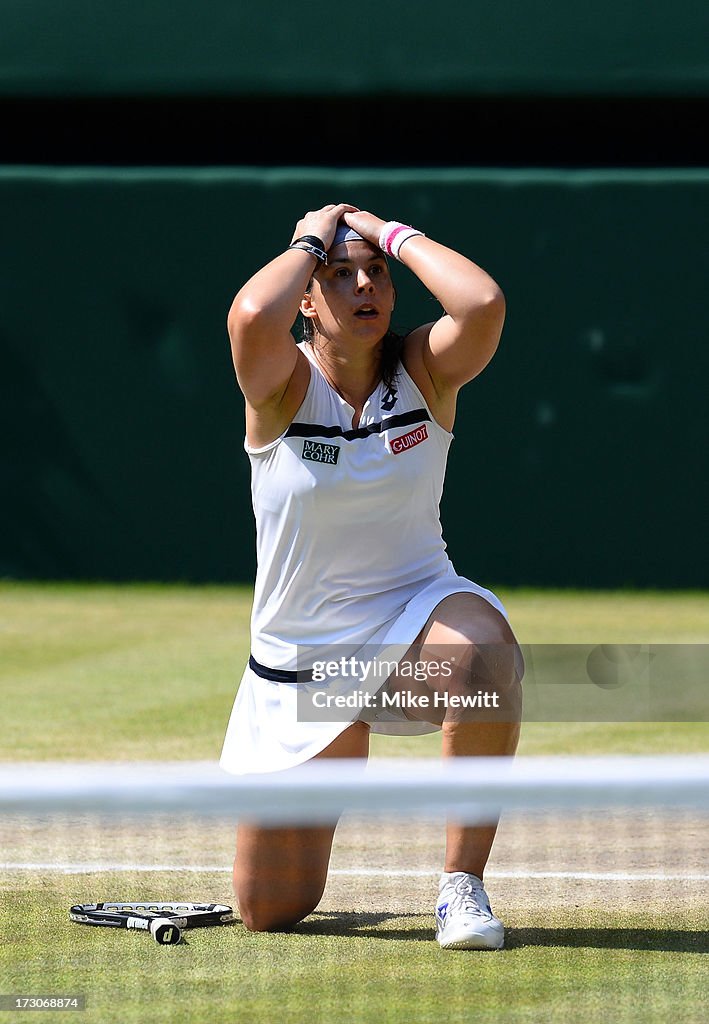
(347, 520)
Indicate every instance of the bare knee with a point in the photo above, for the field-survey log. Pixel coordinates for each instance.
(475, 643)
(272, 916)
(270, 902)
(279, 874)
(488, 688)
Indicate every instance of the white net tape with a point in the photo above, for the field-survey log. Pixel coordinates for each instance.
(474, 789)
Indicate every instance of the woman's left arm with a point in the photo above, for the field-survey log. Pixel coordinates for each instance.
(462, 342)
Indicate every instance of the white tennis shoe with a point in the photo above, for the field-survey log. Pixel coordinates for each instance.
(464, 919)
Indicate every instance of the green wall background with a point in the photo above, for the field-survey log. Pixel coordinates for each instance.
(231, 47)
(581, 452)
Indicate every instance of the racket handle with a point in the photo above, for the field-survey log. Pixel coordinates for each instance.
(165, 931)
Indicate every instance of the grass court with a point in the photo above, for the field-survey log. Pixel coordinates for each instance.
(606, 916)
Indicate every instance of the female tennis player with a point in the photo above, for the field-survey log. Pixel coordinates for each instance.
(348, 434)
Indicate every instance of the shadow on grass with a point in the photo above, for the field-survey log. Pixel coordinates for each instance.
(416, 928)
(657, 939)
(368, 925)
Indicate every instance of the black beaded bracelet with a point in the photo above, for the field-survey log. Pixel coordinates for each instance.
(311, 240)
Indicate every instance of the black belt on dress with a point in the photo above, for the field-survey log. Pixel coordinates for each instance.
(279, 675)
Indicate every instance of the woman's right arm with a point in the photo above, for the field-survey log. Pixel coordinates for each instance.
(264, 310)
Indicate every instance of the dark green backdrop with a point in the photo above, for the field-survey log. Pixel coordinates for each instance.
(275, 47)
(580, 455)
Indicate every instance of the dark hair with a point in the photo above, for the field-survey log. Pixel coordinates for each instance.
(392, 345)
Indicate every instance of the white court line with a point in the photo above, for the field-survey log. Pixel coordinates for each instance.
(590, 876)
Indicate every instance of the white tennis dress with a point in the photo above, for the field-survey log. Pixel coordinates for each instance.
(350, 556)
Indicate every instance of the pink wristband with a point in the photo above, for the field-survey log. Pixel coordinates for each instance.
(393, 235)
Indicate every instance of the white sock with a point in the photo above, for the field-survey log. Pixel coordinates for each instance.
(452, 877)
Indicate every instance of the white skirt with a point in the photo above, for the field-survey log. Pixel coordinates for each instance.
(265, 732)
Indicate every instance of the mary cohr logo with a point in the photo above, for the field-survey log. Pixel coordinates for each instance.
(316, 451)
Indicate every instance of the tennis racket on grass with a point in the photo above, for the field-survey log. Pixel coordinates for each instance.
(164, 921)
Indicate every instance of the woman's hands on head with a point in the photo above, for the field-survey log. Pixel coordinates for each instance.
(323, 223)
(365, 224)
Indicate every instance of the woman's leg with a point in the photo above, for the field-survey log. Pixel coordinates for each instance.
(280, 873)
(468, 637)
(468, 846)
(467, 650)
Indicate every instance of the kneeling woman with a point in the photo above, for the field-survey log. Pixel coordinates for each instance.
(348, 434)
